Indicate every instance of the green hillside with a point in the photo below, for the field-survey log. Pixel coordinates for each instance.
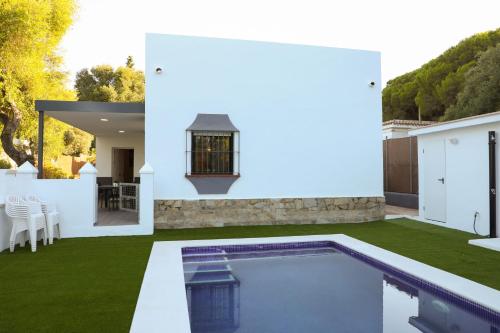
(447, 86)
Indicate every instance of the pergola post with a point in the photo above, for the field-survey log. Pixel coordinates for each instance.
(41, 123)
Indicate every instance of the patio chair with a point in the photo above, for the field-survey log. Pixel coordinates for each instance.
(104, 181)
(26, 217)
(114, 198)
(52, 217)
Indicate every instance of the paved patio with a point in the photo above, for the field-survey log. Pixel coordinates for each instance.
(488, 243)
(107, 217)
(400, 211)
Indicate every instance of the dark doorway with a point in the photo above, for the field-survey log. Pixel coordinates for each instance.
(401, 172)
(123, 165)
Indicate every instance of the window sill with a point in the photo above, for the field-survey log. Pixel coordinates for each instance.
(212, 175)
(212, 183)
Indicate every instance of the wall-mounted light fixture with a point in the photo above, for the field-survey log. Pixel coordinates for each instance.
(104, 119)
(158, 70)
(492, 136)
(121, 131)
(371, 84)
(453, 141)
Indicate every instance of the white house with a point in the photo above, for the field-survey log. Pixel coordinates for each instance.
(455, 160)
(245, 132)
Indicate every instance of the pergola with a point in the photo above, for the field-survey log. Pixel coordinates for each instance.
(97, 118)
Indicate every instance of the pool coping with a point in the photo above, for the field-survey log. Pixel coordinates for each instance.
(162, 305)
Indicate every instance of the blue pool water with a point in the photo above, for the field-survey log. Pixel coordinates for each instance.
(317, 287)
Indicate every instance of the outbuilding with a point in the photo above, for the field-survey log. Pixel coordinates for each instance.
(457, 173)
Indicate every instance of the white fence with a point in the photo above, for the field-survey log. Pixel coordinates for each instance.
(76, 200)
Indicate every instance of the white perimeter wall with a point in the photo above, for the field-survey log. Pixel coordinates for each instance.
(394, 133)
(104, 148)
(310, 124)
(466, 175)
(76, 201)
(7, 178)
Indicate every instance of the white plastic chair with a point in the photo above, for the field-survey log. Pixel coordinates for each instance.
(26, 217)
(52, 216)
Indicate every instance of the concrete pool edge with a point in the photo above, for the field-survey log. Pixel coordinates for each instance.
(162, 305)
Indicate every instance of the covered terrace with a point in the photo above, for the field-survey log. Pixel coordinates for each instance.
(119, 132)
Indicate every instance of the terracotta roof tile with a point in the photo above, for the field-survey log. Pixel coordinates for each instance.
(404, 122)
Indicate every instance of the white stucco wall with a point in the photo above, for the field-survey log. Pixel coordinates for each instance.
(7, 178)
(466, 175)
(394, 133)
(76, 202)
(309, 121)
(104, 148)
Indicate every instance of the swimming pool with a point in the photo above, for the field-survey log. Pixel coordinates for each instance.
(305, 284)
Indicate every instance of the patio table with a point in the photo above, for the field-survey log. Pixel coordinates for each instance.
(108, 192)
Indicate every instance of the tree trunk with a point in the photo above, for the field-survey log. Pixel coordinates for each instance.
(10, 117)
(10, 125)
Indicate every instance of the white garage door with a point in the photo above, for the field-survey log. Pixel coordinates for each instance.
(435, 180)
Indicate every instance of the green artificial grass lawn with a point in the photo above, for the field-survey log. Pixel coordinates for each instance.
(92, 284)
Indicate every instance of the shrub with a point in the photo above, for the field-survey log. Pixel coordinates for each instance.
(92, 158)
(4, 164)
(52, 172)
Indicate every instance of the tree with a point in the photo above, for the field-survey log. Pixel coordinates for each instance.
(103, 83)
(398, 98)
(481, 93)
(30, 31)
(130, 62)
(76, 142)
(434, 87)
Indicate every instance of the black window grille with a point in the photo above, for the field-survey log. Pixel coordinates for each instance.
(212, 153)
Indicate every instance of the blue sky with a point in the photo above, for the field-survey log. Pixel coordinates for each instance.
(408, 33)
